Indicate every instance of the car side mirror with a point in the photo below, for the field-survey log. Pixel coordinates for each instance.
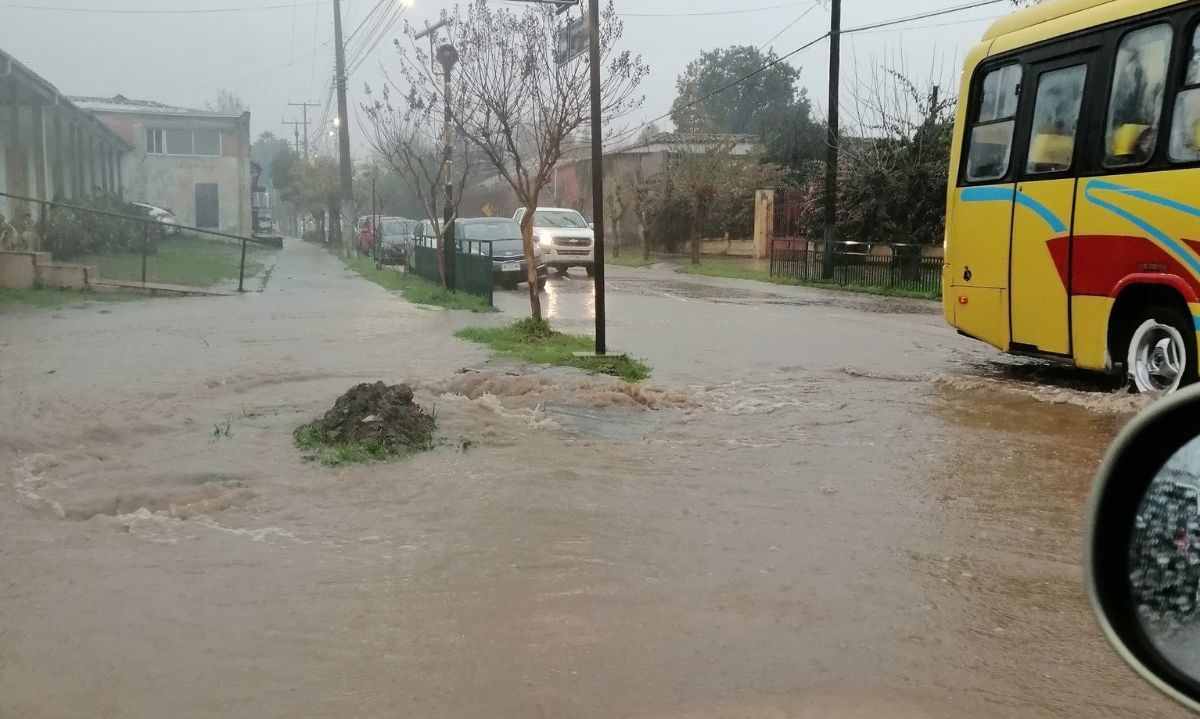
(1142, 552)
(592, 225)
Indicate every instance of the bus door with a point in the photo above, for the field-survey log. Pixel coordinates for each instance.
(979, 218)
(1044, 204)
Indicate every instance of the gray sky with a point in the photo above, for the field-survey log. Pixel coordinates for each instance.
(272, 56)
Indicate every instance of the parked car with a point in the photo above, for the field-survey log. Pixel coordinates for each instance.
(162, 215)
(565, 238)
(509, 267)
(395, 239)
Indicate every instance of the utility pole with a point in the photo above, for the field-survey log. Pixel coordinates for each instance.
(597, 171)
(833, 138)
(447, 55)
(304, 106)
(296, 128)
(343, 115)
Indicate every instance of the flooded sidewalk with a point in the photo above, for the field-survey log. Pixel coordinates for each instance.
(819, 506)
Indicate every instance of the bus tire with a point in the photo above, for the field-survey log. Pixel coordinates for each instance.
(1161, 351)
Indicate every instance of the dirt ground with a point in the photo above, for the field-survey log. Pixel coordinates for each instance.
(821, 505)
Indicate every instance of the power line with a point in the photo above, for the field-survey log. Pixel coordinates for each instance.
(814, 6)
(922, 16)
(675, 14)
(292, 52)
(158, 11)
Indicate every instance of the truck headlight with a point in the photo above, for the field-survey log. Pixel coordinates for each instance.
(545, 240)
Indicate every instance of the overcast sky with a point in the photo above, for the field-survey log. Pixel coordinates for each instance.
(273, 56)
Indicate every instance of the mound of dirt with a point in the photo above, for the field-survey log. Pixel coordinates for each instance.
(377, 413)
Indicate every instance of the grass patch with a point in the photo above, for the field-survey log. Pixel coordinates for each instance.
(308, 437)
(11, 299)
(417, 290)
(535, 342)
(733, 269)
(183, 260)
(629, 261)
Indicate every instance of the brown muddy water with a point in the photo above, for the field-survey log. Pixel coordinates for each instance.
(821, 506)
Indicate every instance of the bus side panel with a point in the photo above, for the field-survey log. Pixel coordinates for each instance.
(977, 268)
(1135, 224)
(1040, 252)
(1089, 331)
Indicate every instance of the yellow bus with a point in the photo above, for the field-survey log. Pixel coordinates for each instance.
(1073, 213)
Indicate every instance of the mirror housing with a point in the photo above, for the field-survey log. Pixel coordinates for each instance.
(1140, 452)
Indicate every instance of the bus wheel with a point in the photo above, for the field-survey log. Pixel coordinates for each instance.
(1162, 354)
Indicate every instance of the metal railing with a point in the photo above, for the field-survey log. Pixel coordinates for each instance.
(147, 224)
(888, 267)
(472, 265)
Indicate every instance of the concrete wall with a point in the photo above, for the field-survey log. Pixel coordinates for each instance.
(27, 270)
(18, 270)
(170, 181)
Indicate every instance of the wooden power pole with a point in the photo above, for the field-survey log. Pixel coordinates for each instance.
(833, 138)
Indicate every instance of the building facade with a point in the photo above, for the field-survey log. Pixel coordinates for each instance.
(49, 147)
(193, 162)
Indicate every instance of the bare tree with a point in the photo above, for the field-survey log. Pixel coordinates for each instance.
(521, 101)
(409, 139)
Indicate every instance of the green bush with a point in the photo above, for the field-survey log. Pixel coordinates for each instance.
(70, 233)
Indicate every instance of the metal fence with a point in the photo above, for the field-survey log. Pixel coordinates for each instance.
(472, 265)
(133, 258)
(891, 267)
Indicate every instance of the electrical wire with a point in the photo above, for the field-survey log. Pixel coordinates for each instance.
(814, 6)
(922, 16)
(157, 11)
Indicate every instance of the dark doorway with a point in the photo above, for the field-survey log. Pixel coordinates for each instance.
(208, 208)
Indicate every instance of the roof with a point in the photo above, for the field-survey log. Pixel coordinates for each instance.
(1058, 9)
(676, 141)
(12, 67)
(122, 104)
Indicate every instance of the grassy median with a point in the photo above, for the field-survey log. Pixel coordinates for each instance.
(417, 290)
(533, 341)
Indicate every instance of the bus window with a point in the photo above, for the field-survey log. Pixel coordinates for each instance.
(1185, 126)
(1055, 120)
(1135, 105)
(992, 135)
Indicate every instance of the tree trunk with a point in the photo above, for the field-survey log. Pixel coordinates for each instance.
(696, 239)
(441, 255)
(616, 232)
(645, 238)
(535, 298)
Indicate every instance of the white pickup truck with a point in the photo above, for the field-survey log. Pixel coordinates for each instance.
(565, 237)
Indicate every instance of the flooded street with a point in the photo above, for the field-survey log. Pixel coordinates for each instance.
(820, 505)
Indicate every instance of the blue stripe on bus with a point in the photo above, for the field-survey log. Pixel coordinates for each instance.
(1009, 194)
(1171, 244)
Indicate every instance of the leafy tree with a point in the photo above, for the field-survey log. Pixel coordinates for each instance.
(747, 107)
(264, 151)
(313, 186)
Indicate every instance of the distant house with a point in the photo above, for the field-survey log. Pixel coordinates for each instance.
(195, 163)
(49, 147)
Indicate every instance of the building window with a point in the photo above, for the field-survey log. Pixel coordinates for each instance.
(179, 142)
(207, 143)
(1185, 127)
(154, 142)
(992, 136)
(1135, 106)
